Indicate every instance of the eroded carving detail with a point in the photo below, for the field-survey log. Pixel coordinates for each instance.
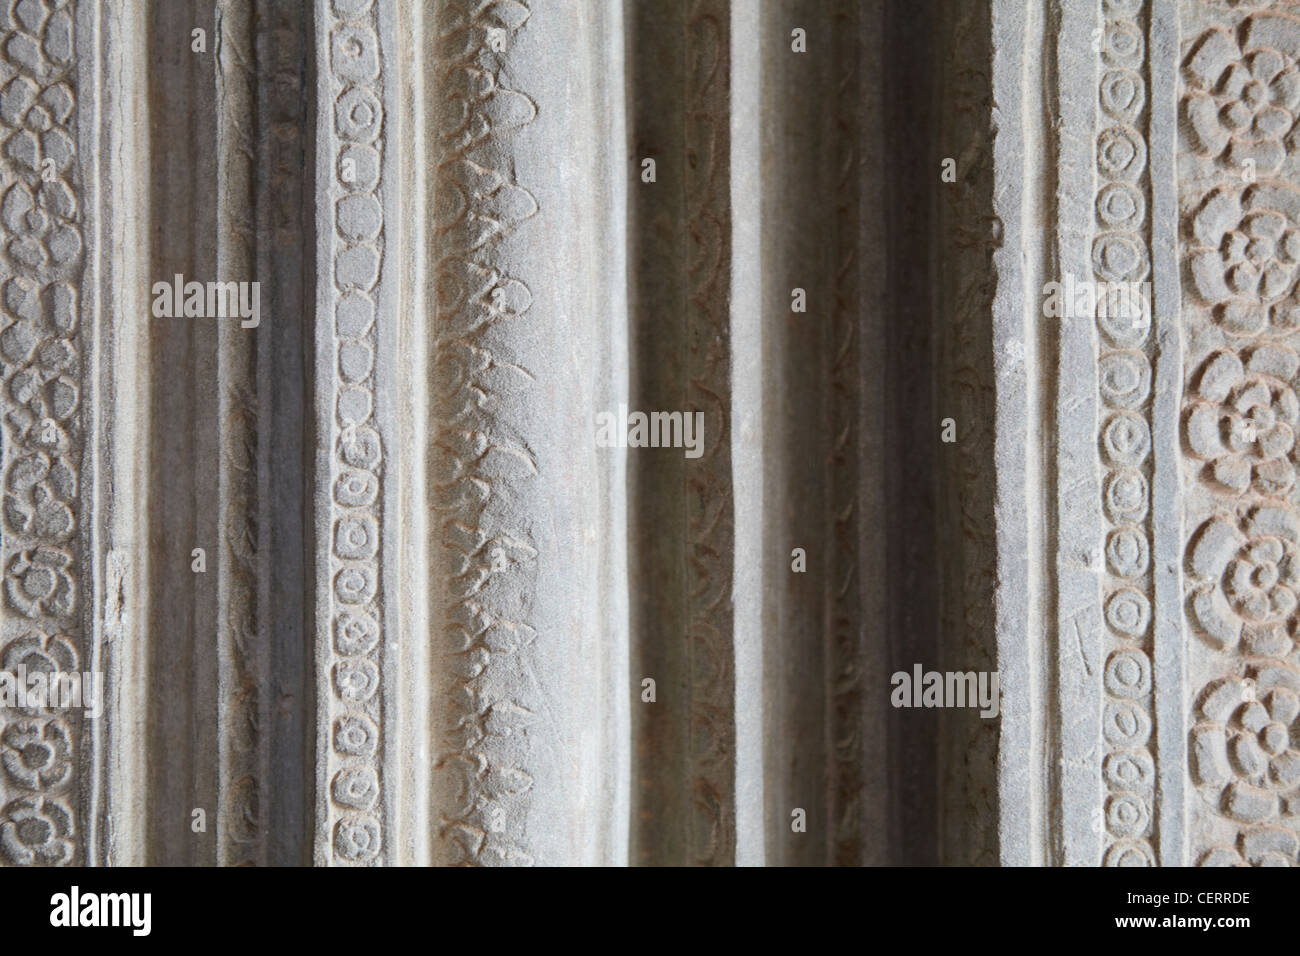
(488, 558)
(846, 681)
(1241, 98)
(241, 610)
(1120, 254)
(41, 366)
(710, 506)
(1241, 250)
(357, 641)
(1242, 418)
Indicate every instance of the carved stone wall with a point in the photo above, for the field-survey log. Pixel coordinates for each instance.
(325, 330)
(1167, 696)
(1237, 196)
(45, 377)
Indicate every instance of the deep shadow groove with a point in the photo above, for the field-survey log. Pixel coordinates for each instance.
(286, 269)
(913, 569)
(181, 749)
(656, 478)
(965, 235)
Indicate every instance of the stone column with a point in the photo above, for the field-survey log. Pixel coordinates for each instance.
(527, 294)
(471, 610)
(988, 310)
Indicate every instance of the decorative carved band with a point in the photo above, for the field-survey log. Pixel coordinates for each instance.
(482, 773)
(1239, 177)
(356, 637)
(42, 362)
(1120, 254)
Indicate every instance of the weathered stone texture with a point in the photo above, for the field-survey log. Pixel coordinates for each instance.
(46, 465)
(1164, 709)
(1237, 188)
(430, 600)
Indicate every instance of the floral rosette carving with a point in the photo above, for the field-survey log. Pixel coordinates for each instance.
(35, 755)
(42, 248)
(1250, 571)
(37, 653)
(1245, 753)
(39, 42)
(1242, 98)
(1246, 257)
(42, 241)
(38, 582)
(36, 117)
(40, 222)
(36, 831)
(1256, 846)
(1243, 419)
(1240, 103)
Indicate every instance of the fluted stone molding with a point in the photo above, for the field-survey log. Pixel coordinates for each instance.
(529, 588)
(161, 439)
(682, 248)
(1092, 392)
(501, 500)
(365, 587)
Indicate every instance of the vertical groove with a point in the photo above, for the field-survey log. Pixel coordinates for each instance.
(846, 687)
(1169, 664)
(243, 638)
(875, 808)
(285, 224)
(116, 287)
(657, 322)
(794, 490)
(184, 446)
(94, 385)
(710, 519)
(913, 569)
(406, 413)
(1074, 518)
(1019, 801)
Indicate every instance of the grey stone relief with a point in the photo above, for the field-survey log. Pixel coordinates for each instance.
(447, 432)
